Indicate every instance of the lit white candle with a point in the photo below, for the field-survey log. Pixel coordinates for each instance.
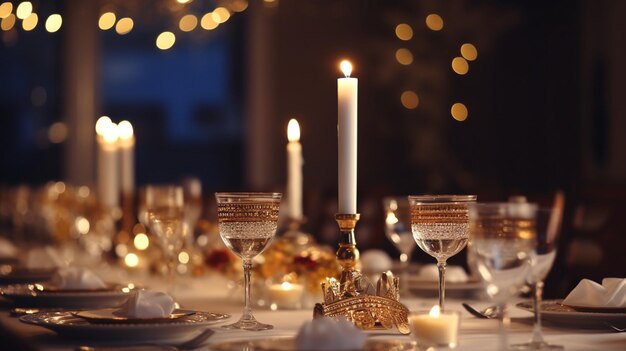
(435, 328)
(294, 170)
(126, 145)
(108, 167)
(347, 123)
(285, 295)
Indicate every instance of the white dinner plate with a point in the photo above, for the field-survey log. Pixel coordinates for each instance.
(35, 295)
(555, 312)
(68, 325)
(113, 315)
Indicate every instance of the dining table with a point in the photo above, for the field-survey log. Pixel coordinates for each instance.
(215, 293)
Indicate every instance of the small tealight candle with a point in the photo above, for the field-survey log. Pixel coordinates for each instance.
(435, 328)
(285, 295)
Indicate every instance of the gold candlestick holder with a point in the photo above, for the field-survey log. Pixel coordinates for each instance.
(353, 296)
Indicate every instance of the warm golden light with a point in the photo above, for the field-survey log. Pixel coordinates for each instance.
(124, 25)
(188, 23)
(24, 9)
(183, 1)
(57, 133)
(409, 100)
(131, 260)
(404, 56)
(404, 31)
(459, 112)
(434, 22)
(102, 124)
(110, 133)
(165, 40)
(220, 15)
(29, 23)
(125, 130)
(207, 22)
(459, 65)
(435, 311)
(141, 241)
(293, 130)
(183, 257)
(469, 52)
(54, 22)
(107, 21)
(8, 22)
(5, 9)
(239, 5)
(346, 68)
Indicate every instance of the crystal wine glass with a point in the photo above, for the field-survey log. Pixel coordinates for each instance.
(502, 239)
(247, 224)
(398, 231)
(541, 259)
(163, 208)
(440, 228)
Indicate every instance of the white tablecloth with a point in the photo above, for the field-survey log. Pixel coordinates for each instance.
(211, 294)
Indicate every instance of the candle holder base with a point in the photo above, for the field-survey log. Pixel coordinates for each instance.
(353, 296)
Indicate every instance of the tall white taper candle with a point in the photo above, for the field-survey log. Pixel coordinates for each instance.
(294, 170)
(126, 145)
(347, 129)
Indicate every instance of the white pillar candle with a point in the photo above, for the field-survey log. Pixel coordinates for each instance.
(435, 328)
(126, 145)
(108, 167)
(285, 295)
(294, 170)
(347, 123)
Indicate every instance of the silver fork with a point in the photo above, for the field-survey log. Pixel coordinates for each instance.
(190, 344)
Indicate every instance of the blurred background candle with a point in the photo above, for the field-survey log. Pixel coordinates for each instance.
(347, 123)
(126, 144)
(294, 170)
(285, 295)
(108, 166)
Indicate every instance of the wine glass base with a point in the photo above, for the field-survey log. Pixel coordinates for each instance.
(247, 324)
(534, 345)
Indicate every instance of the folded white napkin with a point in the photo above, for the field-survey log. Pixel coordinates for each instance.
(73, 278)
(44, 257)
(612, 293)
(454, 274)
(7, 249)
(147, 304)
(327, 333)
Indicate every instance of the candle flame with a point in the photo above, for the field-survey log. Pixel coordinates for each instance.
(102, 125)
(293, 130)
(125, 130)
(346, 67)
(285, 285)
(435, 311)
(110, 133)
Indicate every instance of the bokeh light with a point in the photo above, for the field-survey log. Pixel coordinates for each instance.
(141, 241)
(107, 21)
(165, 40)
(8, 22)
(131, 260)
(404, 31)
(24, 9)
(54, 22)
(29, 23)
(459, 112)
(469, 52)
(221, 15)
(434, 22)
(409, 99)
(404, 56)
(459, 65)
(124, 25)
(57, 133)
(188, 23)
(239, 5)
(5, 9)
(207, 22)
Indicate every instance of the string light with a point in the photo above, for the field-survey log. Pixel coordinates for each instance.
(469, 52)
(434, 22)
(54, 22)
(409, 99)
(106, 21)
(404, 31)
(459, 112)
(404, 56)
(460, 66)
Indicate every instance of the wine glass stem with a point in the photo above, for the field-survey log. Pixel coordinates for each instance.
(404, 273)
(441, 264)
(247, 311)
(171, 274)
(504, 337)
(537, 298)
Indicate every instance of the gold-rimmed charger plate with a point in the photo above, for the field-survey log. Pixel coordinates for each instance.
(113, 315)
(36, 295)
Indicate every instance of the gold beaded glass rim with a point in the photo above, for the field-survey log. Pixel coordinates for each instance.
(433, 199)
(247, 196)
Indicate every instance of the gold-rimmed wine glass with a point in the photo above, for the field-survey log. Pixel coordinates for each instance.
(247, 224)
(440, 228)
